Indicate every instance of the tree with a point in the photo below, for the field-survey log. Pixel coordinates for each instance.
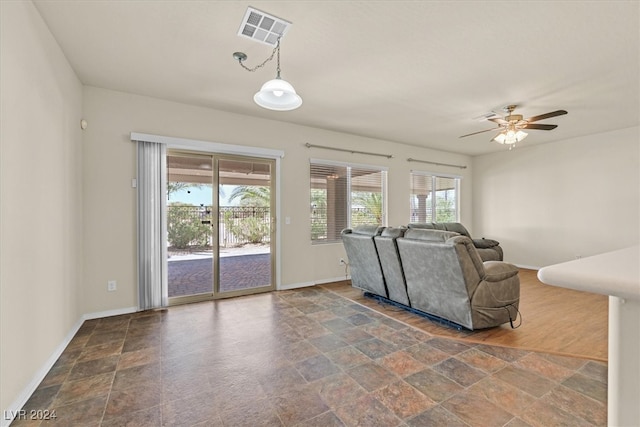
(251, 229)
(372, 204)
(318, 213)
(445, 210)
(318, 198)
(252, 195)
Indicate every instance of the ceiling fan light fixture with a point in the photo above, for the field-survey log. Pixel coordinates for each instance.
(278, 95)
(510, 126)
(510, 137)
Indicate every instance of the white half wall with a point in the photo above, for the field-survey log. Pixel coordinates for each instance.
(554, 202)
(40, 201)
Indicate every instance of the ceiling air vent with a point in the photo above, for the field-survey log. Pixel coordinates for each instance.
(262, 27)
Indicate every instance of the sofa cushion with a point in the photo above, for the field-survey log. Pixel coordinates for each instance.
(391, 264)
(429, 235)
(364, 264)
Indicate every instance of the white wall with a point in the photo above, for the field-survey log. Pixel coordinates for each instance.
(109, 200)
(550, 203)
(40, 192)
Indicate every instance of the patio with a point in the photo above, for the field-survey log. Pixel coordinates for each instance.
(240, 268)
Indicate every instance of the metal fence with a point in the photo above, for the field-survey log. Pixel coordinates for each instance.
(191, 225)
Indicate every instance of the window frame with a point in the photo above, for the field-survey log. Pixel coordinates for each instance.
(434, 176)
(349, 166)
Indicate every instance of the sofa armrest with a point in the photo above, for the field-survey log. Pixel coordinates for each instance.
(497, 271)
(485, 243)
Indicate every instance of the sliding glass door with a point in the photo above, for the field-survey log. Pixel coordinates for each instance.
(220, 226)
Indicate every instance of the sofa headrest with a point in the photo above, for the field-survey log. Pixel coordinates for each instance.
(393, 232)
(422, 225)
(456, 227)
(366, 230)
(429, 235)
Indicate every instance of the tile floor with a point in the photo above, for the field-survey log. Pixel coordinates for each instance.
(305, 358)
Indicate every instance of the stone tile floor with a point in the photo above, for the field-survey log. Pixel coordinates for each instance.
(305, 357)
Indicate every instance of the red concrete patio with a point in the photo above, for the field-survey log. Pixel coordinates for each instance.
(193, 274)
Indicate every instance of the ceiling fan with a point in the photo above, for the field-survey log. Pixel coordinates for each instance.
(512, 126)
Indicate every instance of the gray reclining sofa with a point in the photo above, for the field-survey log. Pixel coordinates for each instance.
(436, 272)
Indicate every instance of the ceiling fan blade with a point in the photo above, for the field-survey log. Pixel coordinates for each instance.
(499, 120)
(546, 116)
(540, 127)
(475, 133)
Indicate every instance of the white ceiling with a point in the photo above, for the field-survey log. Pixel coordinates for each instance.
(415, 72)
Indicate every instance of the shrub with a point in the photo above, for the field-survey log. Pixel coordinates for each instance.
(251, 229)
(184, 226)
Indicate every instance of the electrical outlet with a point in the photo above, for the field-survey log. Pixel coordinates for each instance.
(342, 261)
(111, 285)
(578, 256)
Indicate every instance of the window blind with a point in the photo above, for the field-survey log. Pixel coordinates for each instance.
(344, 196)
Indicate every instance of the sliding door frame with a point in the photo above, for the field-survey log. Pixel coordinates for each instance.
(216, 148)
(273, 243)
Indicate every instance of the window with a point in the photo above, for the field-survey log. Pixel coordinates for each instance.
(343, 196)
(434, 198)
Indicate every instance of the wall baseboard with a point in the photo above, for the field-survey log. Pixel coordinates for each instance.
(317, 282)
(10, 413)
(109, 313)
(333, 279)
(295, 286)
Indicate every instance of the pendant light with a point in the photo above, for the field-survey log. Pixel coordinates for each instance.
(277, 94)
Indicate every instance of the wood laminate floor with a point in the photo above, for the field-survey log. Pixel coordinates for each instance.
(554, 320)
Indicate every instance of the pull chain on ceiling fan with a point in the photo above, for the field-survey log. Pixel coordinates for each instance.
(512, 126)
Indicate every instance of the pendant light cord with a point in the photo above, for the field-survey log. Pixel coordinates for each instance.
(278, 59)
(275, 50)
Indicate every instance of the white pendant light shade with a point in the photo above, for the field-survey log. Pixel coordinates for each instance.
(279, 95)
(521, 135)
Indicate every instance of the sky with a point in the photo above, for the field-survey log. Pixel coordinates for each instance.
(197, 196)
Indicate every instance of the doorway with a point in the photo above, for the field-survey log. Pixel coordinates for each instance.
(220, 226)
